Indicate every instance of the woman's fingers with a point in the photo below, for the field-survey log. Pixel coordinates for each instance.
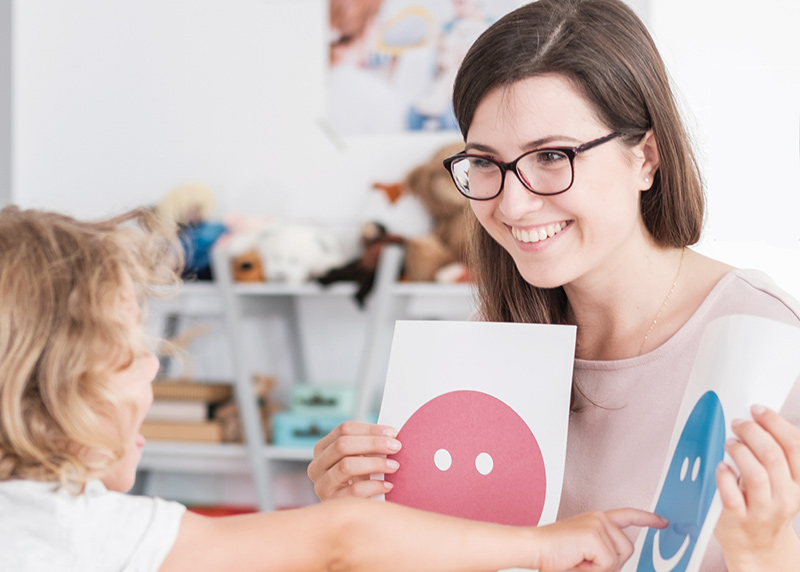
(350, 454)
(353, 429)
(362, 488)
(773, 445)
(729, 492)
(785, 435)
(754, 479)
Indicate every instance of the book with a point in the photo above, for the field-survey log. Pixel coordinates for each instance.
(205, 431)
(178, 410)
(188, 390)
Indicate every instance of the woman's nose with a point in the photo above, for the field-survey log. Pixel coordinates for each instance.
(515, 199)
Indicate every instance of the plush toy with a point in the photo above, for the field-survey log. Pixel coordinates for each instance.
(361, 270)
(440, 255)
(191, 206)
(280, 251)
(247, 266)
(294, 252)
(240, 242)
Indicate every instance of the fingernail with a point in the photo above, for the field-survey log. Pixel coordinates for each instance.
(387, 485)
(392, 464)
(393, 445)
(737, 422)
(757, 409)
(389, 431)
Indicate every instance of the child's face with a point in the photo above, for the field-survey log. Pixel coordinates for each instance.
(135, 382)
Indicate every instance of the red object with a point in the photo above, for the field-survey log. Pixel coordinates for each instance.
(470, 455)
(222, 510)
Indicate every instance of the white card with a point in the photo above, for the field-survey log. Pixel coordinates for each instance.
(742, 360)
(482, 411)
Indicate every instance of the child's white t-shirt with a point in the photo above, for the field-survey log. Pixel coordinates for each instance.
(44, 528)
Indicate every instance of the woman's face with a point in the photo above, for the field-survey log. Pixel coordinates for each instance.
(557, 240)
(135, 384)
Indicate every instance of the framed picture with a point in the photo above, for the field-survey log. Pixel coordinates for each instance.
(392, 63)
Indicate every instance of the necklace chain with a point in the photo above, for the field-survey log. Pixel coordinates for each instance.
(664, 303)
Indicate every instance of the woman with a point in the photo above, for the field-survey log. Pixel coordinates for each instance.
(587, 195)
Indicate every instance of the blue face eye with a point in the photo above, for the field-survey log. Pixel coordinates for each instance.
(688, 488)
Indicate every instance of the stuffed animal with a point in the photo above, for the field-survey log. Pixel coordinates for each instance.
(294, 252)
(267, 249)
(191, 206)
(247, 266)
(440, 255)
(361, 270)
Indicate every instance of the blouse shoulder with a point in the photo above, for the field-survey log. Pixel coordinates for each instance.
(754, 292)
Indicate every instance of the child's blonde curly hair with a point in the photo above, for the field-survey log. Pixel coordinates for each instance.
(62, 334)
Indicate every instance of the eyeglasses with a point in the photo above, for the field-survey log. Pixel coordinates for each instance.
(547, 171)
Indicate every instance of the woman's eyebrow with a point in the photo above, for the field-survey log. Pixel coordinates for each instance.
(535, 144)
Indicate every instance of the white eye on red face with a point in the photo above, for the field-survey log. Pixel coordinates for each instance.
(454, 461)
(444, 460)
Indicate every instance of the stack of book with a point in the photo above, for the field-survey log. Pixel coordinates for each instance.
(182, 410)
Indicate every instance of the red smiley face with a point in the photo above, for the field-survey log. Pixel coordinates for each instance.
(468, 454)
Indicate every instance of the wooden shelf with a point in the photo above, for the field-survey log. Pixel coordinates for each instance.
(305, 289)
(390, 300)
(223, 458)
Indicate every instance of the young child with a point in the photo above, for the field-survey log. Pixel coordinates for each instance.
(75, 383)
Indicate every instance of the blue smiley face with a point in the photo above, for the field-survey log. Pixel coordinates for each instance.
(688, 489)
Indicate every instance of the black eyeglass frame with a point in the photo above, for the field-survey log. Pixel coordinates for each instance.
(570, 152)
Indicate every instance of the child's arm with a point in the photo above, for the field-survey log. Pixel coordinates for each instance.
(755, 527)
(357, 534)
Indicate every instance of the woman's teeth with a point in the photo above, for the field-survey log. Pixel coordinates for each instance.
(538, 234)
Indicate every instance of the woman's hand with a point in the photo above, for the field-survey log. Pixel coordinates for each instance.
(346, 457)
(755, 527)
(592, 541)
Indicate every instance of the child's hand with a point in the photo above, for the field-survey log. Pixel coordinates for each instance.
(755, 527)
(592, 541)
(346, 457)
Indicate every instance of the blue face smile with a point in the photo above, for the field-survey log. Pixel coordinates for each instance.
(688, 489)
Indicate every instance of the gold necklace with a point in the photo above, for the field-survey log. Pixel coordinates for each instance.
(663, 305)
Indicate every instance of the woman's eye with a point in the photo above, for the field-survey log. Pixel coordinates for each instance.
(480, 164)
(550, 158)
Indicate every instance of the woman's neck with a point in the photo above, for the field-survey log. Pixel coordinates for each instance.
(630, 306)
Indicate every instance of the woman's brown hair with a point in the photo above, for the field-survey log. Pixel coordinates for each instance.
(605, 51)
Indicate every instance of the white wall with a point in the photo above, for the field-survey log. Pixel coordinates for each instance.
(737, 68)
(5, 103)
(118, 102)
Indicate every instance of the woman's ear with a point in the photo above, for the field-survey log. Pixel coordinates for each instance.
(647, 151)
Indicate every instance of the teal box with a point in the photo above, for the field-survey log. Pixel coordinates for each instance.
(290, 429)
(322, 399)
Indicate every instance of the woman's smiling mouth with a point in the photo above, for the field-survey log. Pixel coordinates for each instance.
(538, 234)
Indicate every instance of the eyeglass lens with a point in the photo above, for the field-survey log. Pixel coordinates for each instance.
(546, 172)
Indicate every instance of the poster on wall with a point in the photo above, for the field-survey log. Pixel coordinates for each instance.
(481, 410)
(392, 63)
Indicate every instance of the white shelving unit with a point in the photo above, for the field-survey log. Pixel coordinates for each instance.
(390, 300)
